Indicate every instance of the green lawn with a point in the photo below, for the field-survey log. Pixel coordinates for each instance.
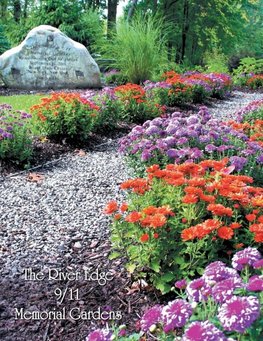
(21, 102)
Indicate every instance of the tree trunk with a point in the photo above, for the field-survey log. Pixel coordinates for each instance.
(131, 9)
(185, 28)
(17, 10)
(112, 14)
(25, 9)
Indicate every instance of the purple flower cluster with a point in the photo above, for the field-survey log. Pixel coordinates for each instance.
(245, 257)
(10, 119)
(181, 138)
(203, 331)
(220, 284)
(249, 109)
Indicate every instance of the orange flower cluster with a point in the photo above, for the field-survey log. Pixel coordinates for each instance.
(131, 91)
(53, 103)
(254, 131)
(255, 79)
(209, 182)
(139, 185)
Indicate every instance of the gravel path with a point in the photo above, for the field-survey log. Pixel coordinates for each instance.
(226, 109)
(55, 221)
(39, 221)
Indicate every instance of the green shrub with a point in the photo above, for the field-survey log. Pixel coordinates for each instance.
(15, 136)
(66, 115)
(138, 48)
(216, 61)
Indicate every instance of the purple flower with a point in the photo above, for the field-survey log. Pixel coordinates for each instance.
(182, 140)
(210, 148)
(172, 153)
(238, 161)
(255, 283)
(217, 271)
(259, 159)
(239, 313)
(146, 155)
(258, 264)
(175, 314)
(152, 130)
(203, 331)
(150, 317)
(100, 335)
(198, 290)
(224, 290)
(245, 257)
(181, 284)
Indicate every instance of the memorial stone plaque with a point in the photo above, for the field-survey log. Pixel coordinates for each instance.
(48, 59)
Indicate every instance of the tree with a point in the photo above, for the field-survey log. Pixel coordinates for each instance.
(112, 15)
(4, 44)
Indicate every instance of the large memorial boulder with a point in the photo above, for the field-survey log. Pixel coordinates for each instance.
(48, 59)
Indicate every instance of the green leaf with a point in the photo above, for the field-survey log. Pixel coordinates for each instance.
(130, 267)
(169, 276)
(114, 255)
(155, 266)
(163, 287)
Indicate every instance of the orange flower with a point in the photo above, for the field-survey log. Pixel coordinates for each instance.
(156, 235)
(133, 217)
(257, 228)
(158, 220)
(251, 217)
(220, 210)
(111, 207)
(166, 210)
(188, 234)
(149, 210)
(144, 238)
(207, 198)
(117, 216)
(225, 232)
(258, 237)
(184, 220)
(124, 207)
(190, 199)
(234, 226)
(260, 219)
(238, 246)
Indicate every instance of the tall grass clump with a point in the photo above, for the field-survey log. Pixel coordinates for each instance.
(138, 48)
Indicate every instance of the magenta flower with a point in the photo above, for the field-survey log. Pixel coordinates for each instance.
(258, 264)
(100, 335)
(198, 290)
(175, 314)
(239, 313)
(203, 331)
(245, 257)
(218, 271)
(224, 290)
(181, 284)
(255, 283)
(150, 317)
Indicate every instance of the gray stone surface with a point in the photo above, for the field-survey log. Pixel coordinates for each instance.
(48, 59)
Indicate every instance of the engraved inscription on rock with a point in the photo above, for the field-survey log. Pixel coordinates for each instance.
(49, 59)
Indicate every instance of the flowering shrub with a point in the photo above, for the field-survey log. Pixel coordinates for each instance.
(189, 87)
(255, 82)
(134, 105)
(221, 305)
(109, 113)
(66, 115)
(180, 217)
(179, 138)
(15, 136)
(251, 112)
